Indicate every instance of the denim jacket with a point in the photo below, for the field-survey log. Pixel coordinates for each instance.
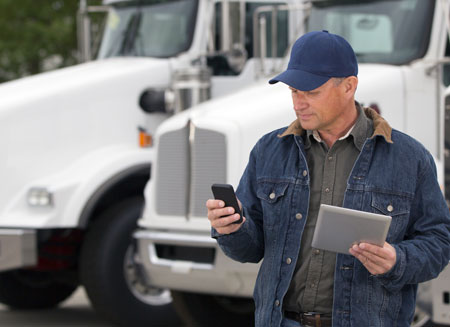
(393, 175)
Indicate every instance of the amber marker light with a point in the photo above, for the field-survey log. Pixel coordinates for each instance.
(145, 139)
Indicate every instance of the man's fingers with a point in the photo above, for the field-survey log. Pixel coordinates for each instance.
(224, 221)
(373, 268)
(378, 254)
(230, 228)
(377, 260)
(372, 255)
(220, 213)
(375, 250)
(214, 204)
(370, 265)
(221, 217)
(216, 209)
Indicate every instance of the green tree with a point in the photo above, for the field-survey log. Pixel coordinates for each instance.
(36, 35)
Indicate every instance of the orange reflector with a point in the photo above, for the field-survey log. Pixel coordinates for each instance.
(145, 140)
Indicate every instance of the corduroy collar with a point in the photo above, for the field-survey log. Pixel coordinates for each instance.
(380, 126)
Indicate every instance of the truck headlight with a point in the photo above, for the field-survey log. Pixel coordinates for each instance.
(39, 197)
(153, 100)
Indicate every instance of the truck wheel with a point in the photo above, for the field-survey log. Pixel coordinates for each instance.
(421, 318)
(114, 284)
(200, 310)
(28, 289)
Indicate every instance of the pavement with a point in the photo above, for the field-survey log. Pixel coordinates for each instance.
(74, 312)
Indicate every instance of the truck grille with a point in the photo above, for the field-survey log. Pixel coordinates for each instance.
(172, 173)
(208, 160)
(189, 161)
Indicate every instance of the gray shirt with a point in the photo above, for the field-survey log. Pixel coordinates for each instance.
(311, 288)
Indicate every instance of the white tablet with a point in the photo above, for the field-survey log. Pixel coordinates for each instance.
(337, 228)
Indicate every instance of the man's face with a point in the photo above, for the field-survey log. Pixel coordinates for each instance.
(323, 108)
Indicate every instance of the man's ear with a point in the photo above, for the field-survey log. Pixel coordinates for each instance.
(350, 84)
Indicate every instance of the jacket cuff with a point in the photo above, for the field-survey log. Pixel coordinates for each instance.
(391, 279)
(215, 234)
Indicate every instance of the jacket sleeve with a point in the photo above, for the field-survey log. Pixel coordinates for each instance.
(246, 244)
(425, 251)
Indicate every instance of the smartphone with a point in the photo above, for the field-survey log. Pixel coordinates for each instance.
(225, 192)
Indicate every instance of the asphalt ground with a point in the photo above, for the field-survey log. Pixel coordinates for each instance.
(74, 312)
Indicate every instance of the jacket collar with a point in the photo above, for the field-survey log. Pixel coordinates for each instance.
(380, 126)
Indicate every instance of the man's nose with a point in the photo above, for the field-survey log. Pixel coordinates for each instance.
(299, 100)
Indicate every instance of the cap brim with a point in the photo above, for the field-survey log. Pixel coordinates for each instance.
(300, 80)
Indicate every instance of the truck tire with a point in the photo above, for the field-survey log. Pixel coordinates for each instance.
(113, 283)
(421, 319)
(28, 289)
(200, 310)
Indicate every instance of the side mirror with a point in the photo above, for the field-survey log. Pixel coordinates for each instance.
(236, 58)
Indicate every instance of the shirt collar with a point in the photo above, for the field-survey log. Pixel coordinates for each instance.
(315, 134)
(380, 126)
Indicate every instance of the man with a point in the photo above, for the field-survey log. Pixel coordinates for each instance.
(340, 154)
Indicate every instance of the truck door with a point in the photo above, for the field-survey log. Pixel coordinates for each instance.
(233, 59)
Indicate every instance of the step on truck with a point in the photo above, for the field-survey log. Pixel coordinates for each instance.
(79, 149)
(403, 51)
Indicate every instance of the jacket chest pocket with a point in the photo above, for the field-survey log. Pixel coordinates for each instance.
(398, 207)
(272, 196)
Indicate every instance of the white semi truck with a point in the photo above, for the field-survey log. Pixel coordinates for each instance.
(403, 49)
(78, 149)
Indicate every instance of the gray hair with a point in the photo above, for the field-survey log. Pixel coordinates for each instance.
(338, 80)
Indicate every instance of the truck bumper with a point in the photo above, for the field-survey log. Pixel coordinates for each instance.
(193, 263)
(18, 248)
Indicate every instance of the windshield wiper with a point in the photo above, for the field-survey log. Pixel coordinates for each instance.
(130, 34)
(123, 42)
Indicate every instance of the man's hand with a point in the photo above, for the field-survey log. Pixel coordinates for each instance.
(378, 260)
(222, 218)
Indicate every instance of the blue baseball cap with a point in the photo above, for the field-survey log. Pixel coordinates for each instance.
(315, 58)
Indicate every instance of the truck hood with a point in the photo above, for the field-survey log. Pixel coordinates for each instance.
(51, 120)
(262, 108)
(68, 80)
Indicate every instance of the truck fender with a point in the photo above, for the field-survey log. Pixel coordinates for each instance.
(76, 190)
(115, 168)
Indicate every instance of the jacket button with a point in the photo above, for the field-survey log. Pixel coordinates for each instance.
(277, 303)
(298, 216)
(305, 173)
(272, 195)
(288, 261)
(327, 190)
(390, 208)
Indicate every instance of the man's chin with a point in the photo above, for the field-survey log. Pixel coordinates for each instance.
(307, 125)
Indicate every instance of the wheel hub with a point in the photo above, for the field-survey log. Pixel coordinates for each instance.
(136, 282)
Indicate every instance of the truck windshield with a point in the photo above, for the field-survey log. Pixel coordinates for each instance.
(390, 31)
(149, 28)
